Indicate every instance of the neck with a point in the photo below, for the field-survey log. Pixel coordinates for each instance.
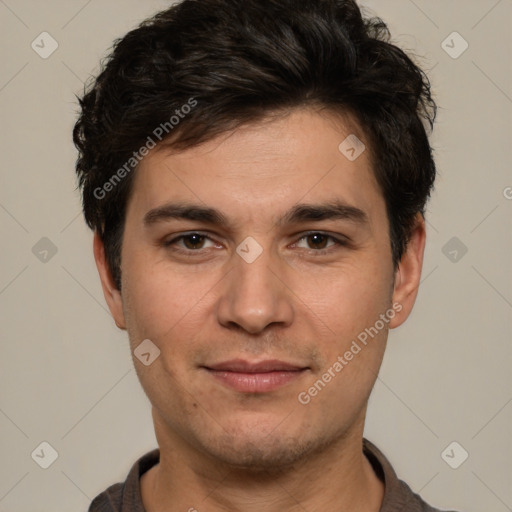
(337, 477)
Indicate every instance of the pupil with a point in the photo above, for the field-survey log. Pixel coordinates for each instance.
(318, 239)
(191, 241)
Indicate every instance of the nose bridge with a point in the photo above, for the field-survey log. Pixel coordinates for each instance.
(256, 280)
(254, 297)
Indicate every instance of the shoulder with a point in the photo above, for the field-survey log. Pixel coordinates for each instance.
(108, 501)
(126, 496)
(398, 496)
(414, 502)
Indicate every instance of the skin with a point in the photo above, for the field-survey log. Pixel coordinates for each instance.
(303, 301)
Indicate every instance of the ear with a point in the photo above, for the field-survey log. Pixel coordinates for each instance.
(110, 291)
(408, 274)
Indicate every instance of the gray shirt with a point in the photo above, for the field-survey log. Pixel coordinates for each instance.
(126, 497)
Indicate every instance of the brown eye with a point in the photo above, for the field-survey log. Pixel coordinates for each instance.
(318, 241)
(193, 241)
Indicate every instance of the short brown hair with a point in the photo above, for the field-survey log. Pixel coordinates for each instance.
(239, 61)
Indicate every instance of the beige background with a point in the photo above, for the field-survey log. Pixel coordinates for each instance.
(66, 375)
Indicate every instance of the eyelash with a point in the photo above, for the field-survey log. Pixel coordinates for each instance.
(197, 252)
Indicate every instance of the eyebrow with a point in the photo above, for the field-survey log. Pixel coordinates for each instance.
(187, 212)
(334, 210)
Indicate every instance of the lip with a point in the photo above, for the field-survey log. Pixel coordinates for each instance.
(255, 377)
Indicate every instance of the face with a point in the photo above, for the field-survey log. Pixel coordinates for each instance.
(259, 264)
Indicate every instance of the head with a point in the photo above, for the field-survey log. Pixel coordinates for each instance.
(229, 121)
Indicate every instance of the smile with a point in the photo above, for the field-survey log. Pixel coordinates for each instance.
(260, 377)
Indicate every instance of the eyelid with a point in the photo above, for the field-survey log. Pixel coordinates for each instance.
(338, 236)
(339, 240)
(186, 234)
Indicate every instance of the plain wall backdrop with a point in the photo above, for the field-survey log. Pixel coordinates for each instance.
(66, 375)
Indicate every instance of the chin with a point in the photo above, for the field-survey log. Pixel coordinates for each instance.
(260, 456)
(260, 449)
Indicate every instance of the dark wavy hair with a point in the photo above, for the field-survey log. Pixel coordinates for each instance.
(243, 60)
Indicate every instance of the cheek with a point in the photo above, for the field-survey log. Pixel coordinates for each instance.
(352, 339)
(159, 300)
(345, 300)
(340, 389)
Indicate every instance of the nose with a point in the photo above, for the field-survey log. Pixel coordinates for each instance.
(254, 297)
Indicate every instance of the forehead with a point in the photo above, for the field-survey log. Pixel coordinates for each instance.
(263, 168)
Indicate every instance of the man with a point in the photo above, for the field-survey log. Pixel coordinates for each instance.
(255, 172)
